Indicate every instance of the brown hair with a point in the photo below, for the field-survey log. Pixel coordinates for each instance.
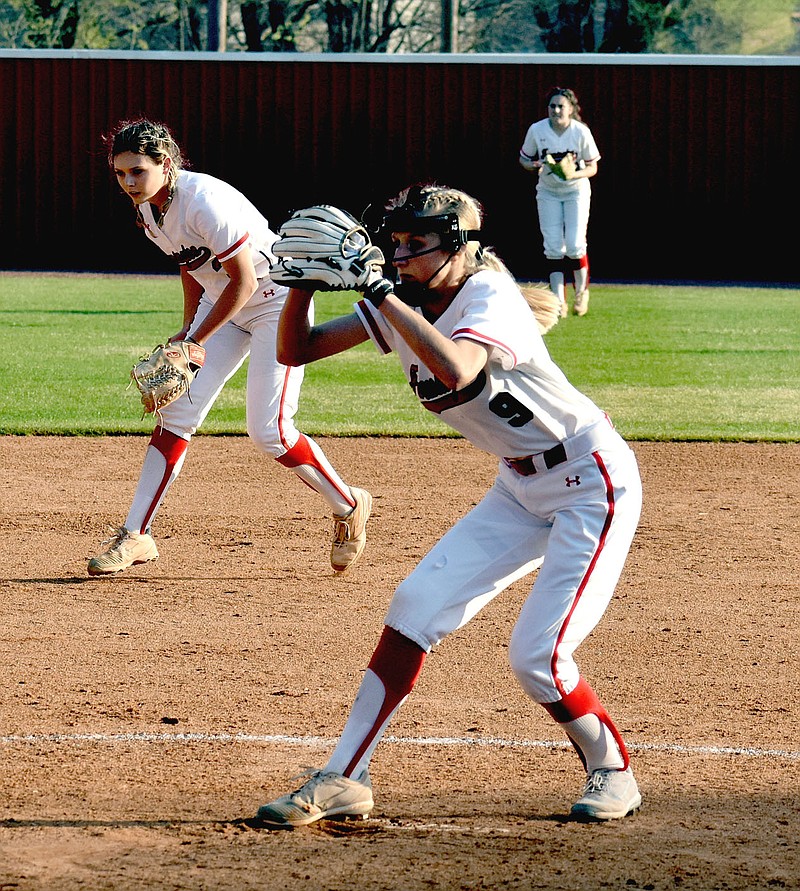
(144, 137)
(570, 97)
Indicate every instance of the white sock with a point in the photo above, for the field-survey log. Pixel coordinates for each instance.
(308, 461)
(557, 285)
(581, 279)
(596, 742)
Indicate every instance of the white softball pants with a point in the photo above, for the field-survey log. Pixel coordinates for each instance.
(563, 221)
(273, 390)
(575, 522)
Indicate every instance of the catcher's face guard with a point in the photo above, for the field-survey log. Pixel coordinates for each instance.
(410, 217)
(415, 245)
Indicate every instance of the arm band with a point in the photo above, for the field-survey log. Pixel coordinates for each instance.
(377, 291)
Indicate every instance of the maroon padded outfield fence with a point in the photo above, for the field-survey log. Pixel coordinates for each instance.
(695, 179)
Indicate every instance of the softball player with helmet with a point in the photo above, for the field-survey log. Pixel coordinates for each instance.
(563, 204)
(566, 500)
(221, 243)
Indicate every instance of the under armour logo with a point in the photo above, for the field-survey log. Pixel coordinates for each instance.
(269, 293)
(573, 481)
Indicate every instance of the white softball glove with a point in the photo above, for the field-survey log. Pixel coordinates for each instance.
(323, 248)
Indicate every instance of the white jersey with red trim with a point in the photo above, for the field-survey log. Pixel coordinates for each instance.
(208, 222)
(541, 140)
(521, 403)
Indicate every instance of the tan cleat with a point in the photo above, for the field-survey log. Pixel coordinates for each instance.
(323, 796)
(562, 309)
(349, 532)
(580, 305)
(125, 549)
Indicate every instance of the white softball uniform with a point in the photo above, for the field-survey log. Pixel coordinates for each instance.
(207, 223)
(567, 497)
(563, 205)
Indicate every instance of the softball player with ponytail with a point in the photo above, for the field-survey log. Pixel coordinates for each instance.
(222, 245)
(566, 501)
(561, 150)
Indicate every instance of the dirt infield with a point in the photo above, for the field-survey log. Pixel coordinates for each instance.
(144, 716)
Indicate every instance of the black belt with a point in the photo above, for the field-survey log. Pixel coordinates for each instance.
(552, 457)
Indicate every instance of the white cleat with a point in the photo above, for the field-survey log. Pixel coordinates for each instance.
(323, 796)
(609, 794)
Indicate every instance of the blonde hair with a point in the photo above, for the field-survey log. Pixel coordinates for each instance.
(544, 305)
(437, 201)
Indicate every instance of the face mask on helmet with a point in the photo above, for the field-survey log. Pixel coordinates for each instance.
(410, 217)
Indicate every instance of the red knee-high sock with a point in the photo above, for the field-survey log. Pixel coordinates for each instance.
(397, 663)
(580, 272)
(152, 488)
(169, 444)
(308, 461)
(580, 702)
(300, 453)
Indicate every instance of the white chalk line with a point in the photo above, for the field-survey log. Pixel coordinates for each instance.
(319, 742)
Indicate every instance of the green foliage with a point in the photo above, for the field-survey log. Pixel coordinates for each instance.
(52, 23)
(735, 27)
(669, 363)
(631, 26)
(707, 363)
(609, 26)
(103, 24)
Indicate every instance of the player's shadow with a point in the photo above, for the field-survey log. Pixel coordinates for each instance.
(12, 823)
(326, 827)
(105, 580)
(242, 824)
(76, 580)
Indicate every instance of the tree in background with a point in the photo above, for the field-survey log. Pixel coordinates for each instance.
(609, 26)
(603, 26)
(338, 26)
(737, 27)
(51, 23)
(103, 24)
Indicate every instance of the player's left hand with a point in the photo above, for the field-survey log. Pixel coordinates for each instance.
(181, 335)
(325, 248)
(565, 168)
(167, 373)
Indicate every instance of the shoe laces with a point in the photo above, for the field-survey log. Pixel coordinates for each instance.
(341, 530)
(118, 533)
(597, 781)
(314, 775)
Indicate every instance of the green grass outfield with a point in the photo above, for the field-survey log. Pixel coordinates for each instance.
(666, 362)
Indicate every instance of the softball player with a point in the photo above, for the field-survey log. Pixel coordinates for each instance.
(563, 205)
(566, 500)
(221, 243)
